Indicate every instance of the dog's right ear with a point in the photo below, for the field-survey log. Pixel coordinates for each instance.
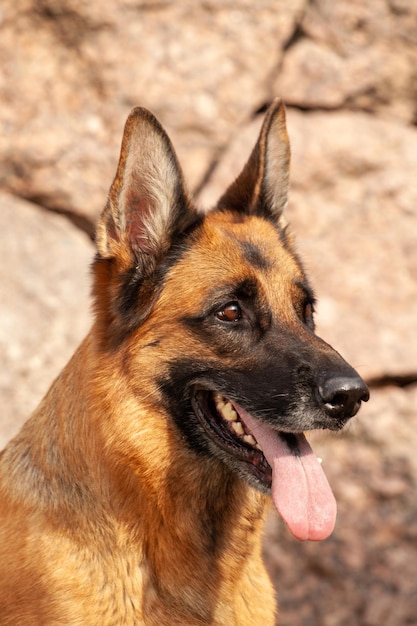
(148, 203)
(147, 210)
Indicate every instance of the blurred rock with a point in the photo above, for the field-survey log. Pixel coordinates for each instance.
(354, 208)
(72, 70)
(44, 279)
(355, 54)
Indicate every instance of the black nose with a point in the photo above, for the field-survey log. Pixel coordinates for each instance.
(342, 395)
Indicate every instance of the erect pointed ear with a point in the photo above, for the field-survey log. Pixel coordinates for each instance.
(147, 211)
(148, 203)
(262, 187)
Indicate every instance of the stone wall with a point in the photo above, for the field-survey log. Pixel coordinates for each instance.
(70, 73)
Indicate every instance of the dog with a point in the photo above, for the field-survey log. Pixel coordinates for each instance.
(136, 492)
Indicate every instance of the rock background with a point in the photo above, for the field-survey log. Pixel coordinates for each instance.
(70, 73)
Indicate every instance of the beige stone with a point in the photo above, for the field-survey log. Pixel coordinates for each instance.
(361, 55)
(45, 310)
(71, 72)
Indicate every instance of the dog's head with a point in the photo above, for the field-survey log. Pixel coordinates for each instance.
(218, 307)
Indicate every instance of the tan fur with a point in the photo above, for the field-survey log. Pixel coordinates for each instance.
(72, 551)
(76, 531)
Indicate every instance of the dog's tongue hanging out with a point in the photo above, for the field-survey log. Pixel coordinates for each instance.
(300, 491)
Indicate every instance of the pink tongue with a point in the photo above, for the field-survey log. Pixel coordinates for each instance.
(300, 491)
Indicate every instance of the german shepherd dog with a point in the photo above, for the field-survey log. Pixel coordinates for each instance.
(136, 492)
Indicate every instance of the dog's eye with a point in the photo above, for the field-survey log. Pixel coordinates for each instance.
(231, 312)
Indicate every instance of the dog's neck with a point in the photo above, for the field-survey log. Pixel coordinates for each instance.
(178, 513)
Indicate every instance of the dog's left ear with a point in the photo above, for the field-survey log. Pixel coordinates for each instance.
(262, 187)
(148, 203)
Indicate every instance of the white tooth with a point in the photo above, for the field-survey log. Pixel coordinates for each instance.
(258, 447)
(238, 428)
(229, 413)
(319, 459)
(249, 439)
(218, 399)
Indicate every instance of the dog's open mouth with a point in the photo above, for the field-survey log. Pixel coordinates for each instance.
(222, 423)
(283, 462)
